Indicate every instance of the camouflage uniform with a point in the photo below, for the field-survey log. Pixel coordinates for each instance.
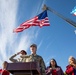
(16, 60)
(30, 58)
(39, 59)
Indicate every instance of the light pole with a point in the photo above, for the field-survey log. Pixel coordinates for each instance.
(61, 16)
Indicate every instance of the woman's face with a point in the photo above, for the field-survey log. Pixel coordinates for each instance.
(52, 62)
(71, 60)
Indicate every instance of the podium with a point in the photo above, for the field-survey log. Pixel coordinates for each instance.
(26, 68)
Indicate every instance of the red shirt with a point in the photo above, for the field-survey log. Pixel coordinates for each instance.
(4, 72)
(54, 72)
(69, 70)
(0, 71)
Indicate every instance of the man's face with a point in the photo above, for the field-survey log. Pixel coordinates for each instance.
(22, 53)
(33, 50)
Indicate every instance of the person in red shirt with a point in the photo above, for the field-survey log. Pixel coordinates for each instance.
(71, 68)
(53, 68)
(3, 71)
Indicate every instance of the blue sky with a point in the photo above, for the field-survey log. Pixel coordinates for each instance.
(55, 41)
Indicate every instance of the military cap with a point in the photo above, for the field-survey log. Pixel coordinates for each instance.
(34, 45)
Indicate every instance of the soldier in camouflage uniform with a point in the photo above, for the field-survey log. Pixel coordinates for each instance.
(12, 58)
(36, 58)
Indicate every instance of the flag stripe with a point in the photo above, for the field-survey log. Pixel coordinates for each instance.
(39, 20)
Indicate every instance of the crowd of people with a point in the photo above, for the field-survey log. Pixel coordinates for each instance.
(52, 69)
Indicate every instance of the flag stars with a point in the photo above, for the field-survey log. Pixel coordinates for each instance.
(42, 23)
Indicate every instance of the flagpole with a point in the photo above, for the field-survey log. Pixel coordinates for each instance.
(61, 16)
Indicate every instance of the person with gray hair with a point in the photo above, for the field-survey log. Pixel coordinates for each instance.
(71, 68)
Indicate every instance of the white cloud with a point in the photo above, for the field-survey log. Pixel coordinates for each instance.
(23, 43)
(8, 11)
(10, 42)
(40, 44)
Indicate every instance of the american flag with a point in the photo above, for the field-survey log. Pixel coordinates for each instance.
(74, 11)
(39, 20)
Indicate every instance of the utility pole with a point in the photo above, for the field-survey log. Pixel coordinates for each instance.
(61, 16)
